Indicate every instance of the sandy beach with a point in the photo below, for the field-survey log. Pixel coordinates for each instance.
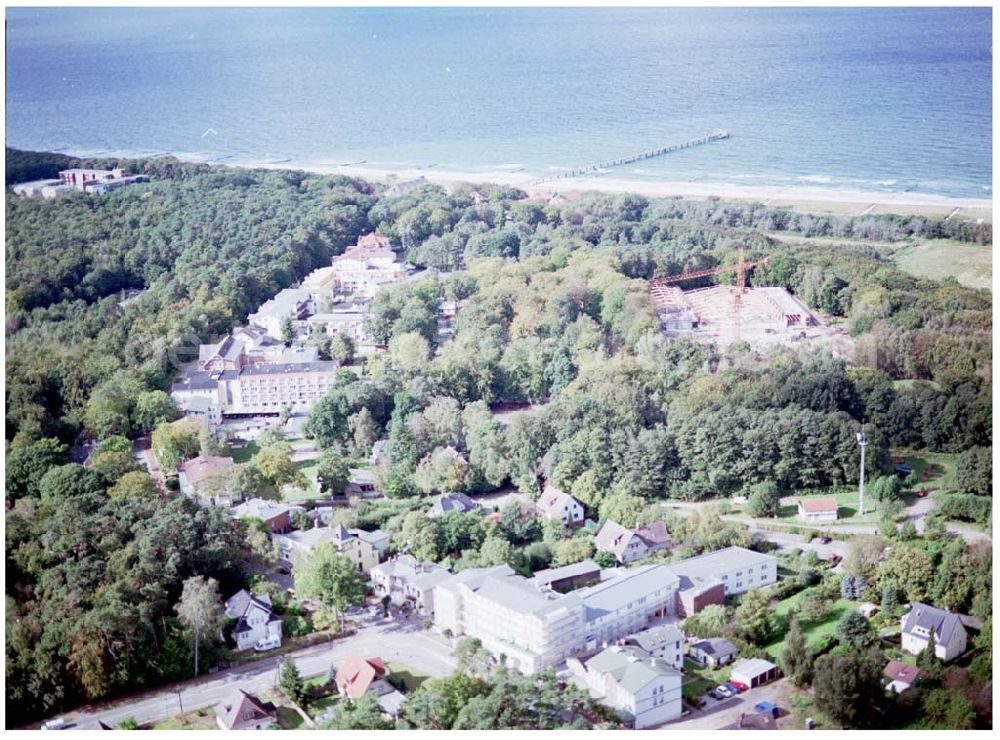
(801, 198)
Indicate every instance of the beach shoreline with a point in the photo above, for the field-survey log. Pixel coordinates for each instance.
(804, 198)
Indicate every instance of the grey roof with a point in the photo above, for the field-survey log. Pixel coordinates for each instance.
(942, 622)
(198, 381)
(613, 537)
(391, 702)
(472, 578)
(375, 537)
(228, 349)
(656, 637)
(297, 355)
(281, 368)
(452, 502)
(634, 584)
(259, 508)
(629, 670)
(719, 561)
(753, 667)
(239, 605)
(284, 302)
(408, 568)
(520, 595)
(717, 646)
(584, 567)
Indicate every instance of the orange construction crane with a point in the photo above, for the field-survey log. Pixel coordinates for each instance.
(740, 268)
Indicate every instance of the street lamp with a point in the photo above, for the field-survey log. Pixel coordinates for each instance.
(862, 443)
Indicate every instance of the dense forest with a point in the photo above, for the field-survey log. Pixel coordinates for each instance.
(555, 313)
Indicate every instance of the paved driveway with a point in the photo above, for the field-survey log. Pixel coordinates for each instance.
(390, 641)
(719, 714)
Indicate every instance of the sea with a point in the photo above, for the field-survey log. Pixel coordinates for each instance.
(874, 99)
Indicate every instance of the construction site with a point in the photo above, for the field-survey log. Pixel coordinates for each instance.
(724, 314)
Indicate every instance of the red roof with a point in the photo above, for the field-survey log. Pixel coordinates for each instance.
(356, 675)
(817, 505)
(903, 672)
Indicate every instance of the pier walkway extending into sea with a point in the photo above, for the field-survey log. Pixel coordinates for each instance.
(717, 135)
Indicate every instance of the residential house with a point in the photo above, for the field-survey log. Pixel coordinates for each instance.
(629, 545)
(900, 677)
(664, 641)
(818, 510)
(402, 188)
(569, 577)
(358, 550)
(754, 672)
(244, 711)
(378, 451)
(646, 691)
(209, 479)
(255, 621)
(406, 579)
(451, 502)
(559, 506)
(356, 676)
(277, 516)
(868, 609)
(290, 304)
(97, 182)
(361, 484)
(713, 652)
(922, 621)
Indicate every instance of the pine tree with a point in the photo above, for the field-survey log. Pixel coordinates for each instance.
(291, 682)
(796, 660)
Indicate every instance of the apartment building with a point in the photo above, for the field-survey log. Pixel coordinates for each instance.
(645, 690)
(736, 568)
(363, 269)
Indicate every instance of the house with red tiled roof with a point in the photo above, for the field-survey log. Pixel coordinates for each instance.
(900, 676)
(815, 510)
(357, 676)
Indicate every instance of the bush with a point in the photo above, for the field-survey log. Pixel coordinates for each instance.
(965, 507)
(128, 723)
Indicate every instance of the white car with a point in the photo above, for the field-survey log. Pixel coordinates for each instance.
(267, 643)
(55, 724)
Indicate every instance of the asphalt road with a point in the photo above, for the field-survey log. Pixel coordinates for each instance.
(719, 714)
(390, 640)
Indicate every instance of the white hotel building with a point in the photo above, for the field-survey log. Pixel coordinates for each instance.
(536, 627)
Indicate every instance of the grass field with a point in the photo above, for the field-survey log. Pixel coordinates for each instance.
(203, 719)
(970, 264)
(309, 469)
(289, 719)
(243, 454)
(847, 503)
(411, 676)
(815, 632)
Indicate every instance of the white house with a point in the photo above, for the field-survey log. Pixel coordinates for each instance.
(559, 506)
(665, 641)
(713, 652)
(629, 545)
(645, 690)
(254, 619)
(922, 620)
(738, 568)
(818, 510)
(404, 578)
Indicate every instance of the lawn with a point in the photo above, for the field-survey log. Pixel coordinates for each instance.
(931, 469)
(409, 675)
(815, 632)
(243, 454)
(310, 469)
(202, 719)
(970, 264)
(847, 501)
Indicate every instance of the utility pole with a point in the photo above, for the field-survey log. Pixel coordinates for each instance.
(862, 443)
(179, 702)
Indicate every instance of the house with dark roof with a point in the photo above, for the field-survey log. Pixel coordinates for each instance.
(244, 711)
(452, 502)
(898, 677)
(922, 621)
(569, 577)
(255, 621)
(713, 652)
(360, 547)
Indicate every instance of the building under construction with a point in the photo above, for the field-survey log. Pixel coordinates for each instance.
(725, 314)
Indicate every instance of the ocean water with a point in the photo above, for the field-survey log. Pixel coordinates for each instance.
(866, 99)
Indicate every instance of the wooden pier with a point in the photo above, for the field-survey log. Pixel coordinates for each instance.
(717, 135)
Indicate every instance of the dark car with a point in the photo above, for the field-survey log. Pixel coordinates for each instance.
(825, 540)
(715, 694)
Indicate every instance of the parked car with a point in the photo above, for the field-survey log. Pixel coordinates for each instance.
(921, 493)
(726, 692)
(834, 558)
(57, 723)
(734, 688)
(741, 686)
(267, 643)
(766, 707)
(715, 694)
(825, 540)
